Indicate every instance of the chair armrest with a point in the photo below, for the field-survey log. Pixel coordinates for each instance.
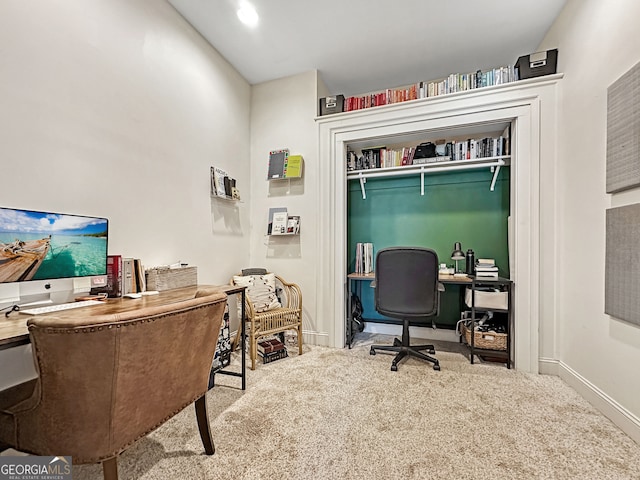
(292, 293)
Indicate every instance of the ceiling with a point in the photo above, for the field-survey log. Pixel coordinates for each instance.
(361, 46)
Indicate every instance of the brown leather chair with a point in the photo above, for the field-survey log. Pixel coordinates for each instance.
(106, 381)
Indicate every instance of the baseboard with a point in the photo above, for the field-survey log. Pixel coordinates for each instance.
(623, 418)
(548, 366)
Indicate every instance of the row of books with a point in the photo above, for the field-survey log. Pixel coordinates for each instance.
(125, 275)
(380, 157)
(364, 258)
(469, 149)
(271, 349)
(456, 82)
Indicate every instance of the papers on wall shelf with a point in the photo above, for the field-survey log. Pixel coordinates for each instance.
(279, 225)
(364, 258)
(272, 212)
(217, 182)
(293, 225)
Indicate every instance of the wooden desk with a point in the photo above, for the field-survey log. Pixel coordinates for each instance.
(357, 278)
(14, 331)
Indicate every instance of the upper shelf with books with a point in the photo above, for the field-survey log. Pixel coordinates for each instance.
(436, 155)
(454, 83)
(495, 163)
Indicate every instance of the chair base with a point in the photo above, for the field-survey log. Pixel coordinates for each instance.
(404, 348)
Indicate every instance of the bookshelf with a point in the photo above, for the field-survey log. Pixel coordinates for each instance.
(530, 107)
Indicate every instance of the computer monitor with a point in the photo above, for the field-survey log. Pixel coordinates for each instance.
(47, 246)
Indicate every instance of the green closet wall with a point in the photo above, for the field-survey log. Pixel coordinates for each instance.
(456, 207)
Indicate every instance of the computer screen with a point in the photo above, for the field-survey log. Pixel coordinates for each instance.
(45, 246)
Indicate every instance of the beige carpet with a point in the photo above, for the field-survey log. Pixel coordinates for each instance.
(342, 414)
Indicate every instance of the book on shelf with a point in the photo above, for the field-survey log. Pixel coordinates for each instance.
(133, 276)
(272, 212)
(293, 225)
(128, 276)
(139, 275)
(277, 163)
(114, 276)
(279, 225)
(217, 182)
(293, 166)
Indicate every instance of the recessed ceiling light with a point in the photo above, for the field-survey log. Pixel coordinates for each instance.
(247, 14)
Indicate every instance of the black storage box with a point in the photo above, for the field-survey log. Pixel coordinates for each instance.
(537, 64)
(329, 105)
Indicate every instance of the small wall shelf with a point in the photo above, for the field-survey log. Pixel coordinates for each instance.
(226, 199)
(427, 168)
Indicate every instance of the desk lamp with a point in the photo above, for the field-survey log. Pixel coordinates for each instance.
(457, 254)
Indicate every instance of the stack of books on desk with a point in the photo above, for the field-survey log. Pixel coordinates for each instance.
(271, 350)
(486, 267)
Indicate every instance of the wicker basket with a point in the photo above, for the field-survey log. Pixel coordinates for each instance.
(487, 340)
(161, 278)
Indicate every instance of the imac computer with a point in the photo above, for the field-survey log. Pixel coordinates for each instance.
(42, 253)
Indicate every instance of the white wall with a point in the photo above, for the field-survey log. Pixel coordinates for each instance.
(597, 42)
(118, 108)
(282, 116)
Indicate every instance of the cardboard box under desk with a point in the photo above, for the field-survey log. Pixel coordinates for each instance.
(168, 278)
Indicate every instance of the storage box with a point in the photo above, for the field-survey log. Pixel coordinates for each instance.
(488, 300)
(488, 340)
(165, 278)
(537, 64)
(329, 105)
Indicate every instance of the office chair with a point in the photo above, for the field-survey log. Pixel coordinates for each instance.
(407, 288)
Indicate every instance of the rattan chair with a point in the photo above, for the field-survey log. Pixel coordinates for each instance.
(274, 321)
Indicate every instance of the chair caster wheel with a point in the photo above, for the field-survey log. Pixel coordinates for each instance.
(436, 367)
(394, 368)
(372, 352)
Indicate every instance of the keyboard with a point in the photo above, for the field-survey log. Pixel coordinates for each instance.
(60, 307)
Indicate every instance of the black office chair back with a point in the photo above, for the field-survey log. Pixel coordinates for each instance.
(407, 282)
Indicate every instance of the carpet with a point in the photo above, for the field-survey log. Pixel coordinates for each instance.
(343, 414)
